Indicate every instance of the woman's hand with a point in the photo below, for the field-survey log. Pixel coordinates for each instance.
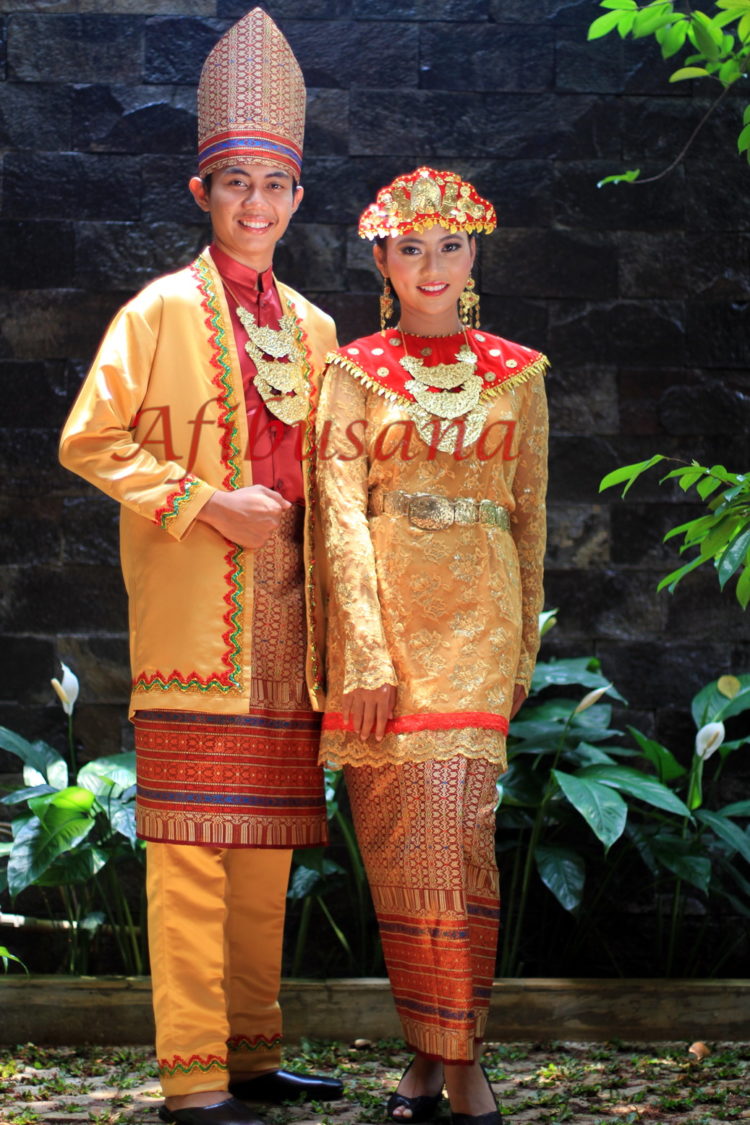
(519, 698)
(369, 709)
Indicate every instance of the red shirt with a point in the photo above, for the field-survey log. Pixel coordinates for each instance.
(273, 447)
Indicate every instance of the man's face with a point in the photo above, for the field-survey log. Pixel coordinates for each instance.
(250, 207)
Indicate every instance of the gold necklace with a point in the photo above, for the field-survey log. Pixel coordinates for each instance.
(282, 386)
(448, 391)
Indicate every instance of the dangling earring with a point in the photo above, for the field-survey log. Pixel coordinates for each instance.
(386, 304)
(468, 305)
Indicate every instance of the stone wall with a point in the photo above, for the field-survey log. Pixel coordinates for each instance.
(638, 294)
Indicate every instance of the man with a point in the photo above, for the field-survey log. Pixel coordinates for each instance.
(196, 416)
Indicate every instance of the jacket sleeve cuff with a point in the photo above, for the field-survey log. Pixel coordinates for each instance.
(182, 505)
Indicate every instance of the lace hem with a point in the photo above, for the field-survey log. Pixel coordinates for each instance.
(341, 748)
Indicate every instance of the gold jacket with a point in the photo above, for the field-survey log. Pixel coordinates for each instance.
(160, 425)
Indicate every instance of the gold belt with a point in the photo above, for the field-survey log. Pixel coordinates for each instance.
(434, 513)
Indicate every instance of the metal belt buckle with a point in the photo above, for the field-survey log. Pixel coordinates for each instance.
(466, 510)
(430, 513)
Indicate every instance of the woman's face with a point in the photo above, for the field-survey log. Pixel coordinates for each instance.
(428, 272)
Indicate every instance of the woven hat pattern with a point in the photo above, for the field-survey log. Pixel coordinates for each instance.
(251, 99)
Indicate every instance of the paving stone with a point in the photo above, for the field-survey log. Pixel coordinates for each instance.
(74, 48)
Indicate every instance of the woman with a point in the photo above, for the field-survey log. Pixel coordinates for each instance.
(432, 443)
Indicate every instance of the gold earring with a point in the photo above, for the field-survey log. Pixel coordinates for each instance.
(386, 304)
(468, 305)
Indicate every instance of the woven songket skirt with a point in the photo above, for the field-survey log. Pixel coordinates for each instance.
(427, 835)
(233, 781)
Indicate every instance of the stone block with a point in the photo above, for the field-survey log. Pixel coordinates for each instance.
(639, 392)
(103, 729)
(659, 127)
(312, 256)
(422, 10)
(550, 263)
(517, 319)
(28, 462)
(467, 125)
(579, 203)
(33, 393)
(650, 675)
(85, 187)
(120, 7)
(576, 465)
(355, 314)
(583, 400)
(519, 11)
(27, 665)
(577, 536)
(569, 13)
(176, 47)
(40, 112)
(74, 48)
(719, 333)
(342, 54)
(289, 9)
(166, 198)
(66, 322)
(361, 273)
(638, 530)
(608, 604)
(326, 123)
(29, 258)
(102, 665)
(699, 609)
(125, 256)
(90, 530)
(77, 599)
(587, 68)
(338, 188)
(137, 119)
(522, 190)
(708, 407)
(728, 210)
(480, 56)
(30, 532)
(646, 72)
(676, 264)
(618, 332)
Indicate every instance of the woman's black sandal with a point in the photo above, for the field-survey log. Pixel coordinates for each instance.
(423, 1108)
(492, 1117)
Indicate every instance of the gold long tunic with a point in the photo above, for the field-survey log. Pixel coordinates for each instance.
(449, 615)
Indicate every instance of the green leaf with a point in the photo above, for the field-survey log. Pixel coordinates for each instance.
(38, 755)
(673, 855)
(688, 72)
(604, 811)
(563, 872)
(743, 28)
(727, 831)
(671, 580)
(729, 72)
(75, 867)
(603, 25)
(742, 591)
(743, 141)
(573, 670)
(707, 486)
(673, 39)
(718, 538)
(38, 844)
(733, 557)
(619, 5)
(6, 957)
(734, 4)
(521, 786)
(651, 18)
(629, 473)
(738, 808)
(26, 794)
(667, 766)
(119, 769)
(637, 784)
(709, 705)
(628, 177)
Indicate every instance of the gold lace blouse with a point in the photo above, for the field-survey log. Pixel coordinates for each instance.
(447, 614)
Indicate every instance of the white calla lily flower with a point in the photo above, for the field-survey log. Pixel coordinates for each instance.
(67, 689)
(708, 739)
(590, 698)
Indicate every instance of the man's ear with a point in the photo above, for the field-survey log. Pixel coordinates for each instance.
(199, 193)
(299, 192)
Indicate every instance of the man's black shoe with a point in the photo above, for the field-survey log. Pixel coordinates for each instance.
(228, 1112)
(285, 1086)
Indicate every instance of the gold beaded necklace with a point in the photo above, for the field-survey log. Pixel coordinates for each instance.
(282, 386)
(448, 391)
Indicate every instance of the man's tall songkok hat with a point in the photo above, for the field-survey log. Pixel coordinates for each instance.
(251, 99)
(427, 198)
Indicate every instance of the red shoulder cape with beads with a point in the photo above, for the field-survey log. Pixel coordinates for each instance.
(374, 360)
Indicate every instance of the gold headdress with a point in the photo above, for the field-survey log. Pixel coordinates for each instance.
(251, 99)
(423, 199)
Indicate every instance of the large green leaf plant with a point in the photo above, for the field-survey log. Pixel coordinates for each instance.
(576, 800)
(73, 833)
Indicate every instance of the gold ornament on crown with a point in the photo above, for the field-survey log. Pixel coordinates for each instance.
(426, 198)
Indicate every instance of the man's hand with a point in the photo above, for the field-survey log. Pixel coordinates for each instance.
(247, 516)
(369, 709)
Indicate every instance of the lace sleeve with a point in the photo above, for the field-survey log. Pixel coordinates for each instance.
(342, 480)
(529, 526)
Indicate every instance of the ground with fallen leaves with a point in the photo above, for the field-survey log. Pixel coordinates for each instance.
(535, 1084)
